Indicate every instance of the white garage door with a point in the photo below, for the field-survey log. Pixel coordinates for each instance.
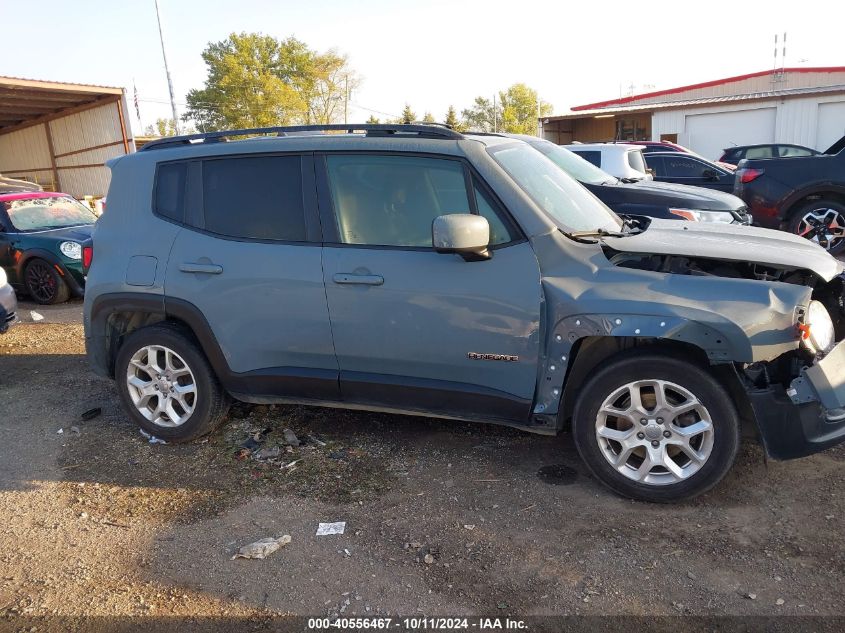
(831, 125)
(709, 134)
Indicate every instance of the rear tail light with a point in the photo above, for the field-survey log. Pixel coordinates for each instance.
(748, 174)
(87, 257)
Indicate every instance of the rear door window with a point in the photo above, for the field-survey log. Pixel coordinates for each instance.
(590, 156)
(254, 197)
(759, 152)
(787, 151)
(682, 167)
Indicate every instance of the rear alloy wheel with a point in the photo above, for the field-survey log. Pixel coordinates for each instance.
(822, 222)
(44, 283)
(167, 385)
(656, 428)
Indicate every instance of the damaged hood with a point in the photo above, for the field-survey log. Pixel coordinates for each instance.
(730, 243)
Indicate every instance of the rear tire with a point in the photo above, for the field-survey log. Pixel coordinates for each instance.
(818, 220)
(167, 385)
(44, 283)
(666, 449)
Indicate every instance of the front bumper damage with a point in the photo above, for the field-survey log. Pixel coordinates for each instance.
(807, 417)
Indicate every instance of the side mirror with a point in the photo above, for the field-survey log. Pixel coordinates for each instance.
(462, 233)
(710, 174)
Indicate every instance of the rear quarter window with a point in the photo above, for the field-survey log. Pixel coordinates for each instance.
(169, 193)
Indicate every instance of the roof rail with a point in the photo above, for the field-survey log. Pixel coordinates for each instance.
(421, 131)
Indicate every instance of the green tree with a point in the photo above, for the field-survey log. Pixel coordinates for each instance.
(482, 117)
(257, 80)
(373, 120)
(452, 119)
(162, 127)
(408, 115)
(428, 118)
(519, 109)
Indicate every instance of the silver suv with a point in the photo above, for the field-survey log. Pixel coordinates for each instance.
(414, 269)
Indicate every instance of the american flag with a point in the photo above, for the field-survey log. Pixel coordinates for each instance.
(137, 108)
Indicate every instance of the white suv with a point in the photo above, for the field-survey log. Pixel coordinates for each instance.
(623, 161)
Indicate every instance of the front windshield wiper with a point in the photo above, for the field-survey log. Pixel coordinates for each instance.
(596, 233)
(628, 181)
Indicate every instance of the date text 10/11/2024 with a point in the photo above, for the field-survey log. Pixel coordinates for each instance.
(416, 624)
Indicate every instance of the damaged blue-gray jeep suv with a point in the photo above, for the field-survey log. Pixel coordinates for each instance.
(414, 269)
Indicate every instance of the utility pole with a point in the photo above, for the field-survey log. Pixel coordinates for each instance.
(539, 120)
(346, 99)
(167, 70)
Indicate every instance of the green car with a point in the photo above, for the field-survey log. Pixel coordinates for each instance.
(45, 242)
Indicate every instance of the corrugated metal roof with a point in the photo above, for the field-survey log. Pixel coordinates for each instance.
(69, 84)
(648, 107)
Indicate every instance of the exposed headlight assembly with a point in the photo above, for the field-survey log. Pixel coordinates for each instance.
(817, 331)
(71, 250)
(699, 215)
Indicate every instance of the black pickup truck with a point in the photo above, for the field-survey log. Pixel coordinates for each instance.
(803, 195)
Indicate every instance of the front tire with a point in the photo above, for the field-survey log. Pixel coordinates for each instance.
(656, 428)
(822, 222)
(167, 385)
(44, 283)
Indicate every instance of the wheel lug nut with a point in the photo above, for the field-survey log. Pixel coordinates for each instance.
(641, 436)
(643, 421)
(655, 443)
(155, 387)
(667, 434)
(660, 420)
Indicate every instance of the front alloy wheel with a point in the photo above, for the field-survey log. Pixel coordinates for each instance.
(655, 427)
(655, 432)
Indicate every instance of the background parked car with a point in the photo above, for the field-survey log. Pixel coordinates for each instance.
(622, 161)
(8, 303)
(652, 147)
(644, 197)
(44, 239)
(688, 169)
(765, 150)
(805, 196)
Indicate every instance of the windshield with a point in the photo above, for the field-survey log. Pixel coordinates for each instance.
(570, 205)
(55, 212)
(580, 169)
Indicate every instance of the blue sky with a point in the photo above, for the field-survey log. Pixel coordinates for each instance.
(428, 53)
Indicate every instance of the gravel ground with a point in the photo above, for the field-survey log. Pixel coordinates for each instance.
(442, 518)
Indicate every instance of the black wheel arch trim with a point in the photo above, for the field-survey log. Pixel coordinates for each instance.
(792, 203)
(52, 259)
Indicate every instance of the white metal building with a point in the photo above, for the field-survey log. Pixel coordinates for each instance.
(805, 106)
(59, 135)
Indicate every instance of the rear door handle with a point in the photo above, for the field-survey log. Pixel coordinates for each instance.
(350, 278)
(194, 267)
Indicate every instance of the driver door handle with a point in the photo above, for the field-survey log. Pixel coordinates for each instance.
(351, 278)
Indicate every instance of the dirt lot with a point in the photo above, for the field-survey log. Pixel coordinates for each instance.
(97, 521)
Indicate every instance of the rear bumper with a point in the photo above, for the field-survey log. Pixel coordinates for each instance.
(8, 306)
(809, 416)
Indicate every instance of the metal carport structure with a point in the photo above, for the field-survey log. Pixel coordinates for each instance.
(60, 134)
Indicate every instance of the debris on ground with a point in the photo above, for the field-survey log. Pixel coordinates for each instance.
(324, 529)
(263, 548)
(75, 429)
(60, 431)
(269, 452)
(90, 414)
(251, 443)
(152, 439)
(36, 316)
(315, 440)
(290, 438)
